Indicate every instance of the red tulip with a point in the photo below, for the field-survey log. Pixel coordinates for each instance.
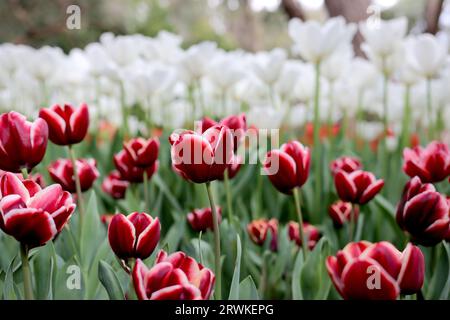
(288, 167)
(32, 215)
(357, 187)
(22, 143)
(36, 177)
(67, 125)
(430, 164)
(341, 212)
(129, 171)
(205, 124)
(347, 164)
(259, 229)
(423, 213)
(134, 236)
(115, 186)
(173, 277)
(61, 171)
(143, 153)
(311, 233)
(377, 271)
(203, 157)
(201, 219)
(238, 127)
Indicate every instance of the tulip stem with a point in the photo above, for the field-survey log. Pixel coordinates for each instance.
(27, 286)
(77, 187)
(218, 291)
(384, 161)
(352, 228)
(146, 199)
(226, 181)
(300, 220)
(429, 111)
(24, 173)
(406, 118)
(263, 280)
(316, 149)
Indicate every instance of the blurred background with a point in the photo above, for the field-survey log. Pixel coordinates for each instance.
(249, 24)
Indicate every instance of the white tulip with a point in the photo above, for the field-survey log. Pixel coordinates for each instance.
(427, 54)
(267, 66)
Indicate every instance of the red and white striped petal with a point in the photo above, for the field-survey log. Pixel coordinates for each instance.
(138, 275)
(412, 273)
(148, 239)
(121, 236)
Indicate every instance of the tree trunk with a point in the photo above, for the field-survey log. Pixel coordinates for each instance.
(292, 9)
(432, 13)
(353, 11)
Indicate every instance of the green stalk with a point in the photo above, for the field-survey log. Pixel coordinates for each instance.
(77, 186)
(352, 227)
(406, 117)
(429, 111)
(263, 279)
(27, 282)
(226, 181)
(316, 149)
(217, 269)
(300, 221)
(384, 161)
(25, 173)
(124, 110)
(146, 198)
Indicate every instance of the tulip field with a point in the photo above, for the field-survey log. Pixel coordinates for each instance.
(137, 168)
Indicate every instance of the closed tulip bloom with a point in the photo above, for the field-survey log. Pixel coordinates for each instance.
(430, 164)
(341, 212)
(32, 215)
(203, 157)
(423, 213)
(114, 185)
(61, 171)
(129, 171)
(22, 143)
(67, 125)
(311, 233)
(238, 127)
(143, 153)
(133, 236)
(358, 187)
(205, 124)
(347, 164)
(173, 277)
(288, 167)
(378, 271)
(259, 229)
(201, 219)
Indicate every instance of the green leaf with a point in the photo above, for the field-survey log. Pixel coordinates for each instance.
(163, 187)
(296, 288)
(174, 235)
(388, 211)
(8, 285)
(247, 289)
(446, 290)
(315, 282)
(68, 277)
(110, 282)
(43, 271)
(234, 289)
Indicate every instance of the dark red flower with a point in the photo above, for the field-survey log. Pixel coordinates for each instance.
(114, 185)
(430, 164)
(173, 277)
(357, 187)
(260, 228)
(61, 171)
(67, 125)
(203, 157)
(377, 271)
(288, 167)
(32, 215)
(129, 171)
(341, 212)
(22, 143)
(423, 213)
(143, 153)
(347, 164)
(201, 219)
(311, 233)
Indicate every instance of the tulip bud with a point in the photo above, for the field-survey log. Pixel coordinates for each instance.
(22, 143)
(142, 153)
(347, 164)
(377, 271)
(173, 277)
(358, 187)
(238, 127)
(32, 215)
(131, 166)
(134, 236)
(288, 167)
(430, 164)
(201, 219)
(341, 212)
(423, 213)
(259, 229)
(202, 158)
(115, 186)
(67, 125)
(311, 233)
(61, 171)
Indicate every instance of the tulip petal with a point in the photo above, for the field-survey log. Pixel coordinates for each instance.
(148, 239)
(345, 187)
(386, 255)
(138, 274)
(371, 191)
(79, 123)
(56, 126)
(11, 184)
(177, 292)
(121, 236)
(412, 272)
